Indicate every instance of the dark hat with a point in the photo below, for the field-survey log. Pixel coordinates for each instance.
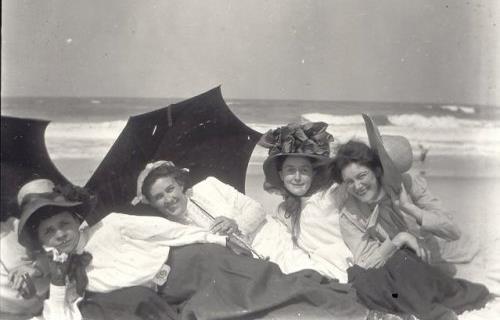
(32, 204)
(395, 156)
(309, 140)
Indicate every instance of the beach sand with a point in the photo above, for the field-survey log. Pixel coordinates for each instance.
(473, 201)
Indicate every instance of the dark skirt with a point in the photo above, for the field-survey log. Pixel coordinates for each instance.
(211, 282)
(407, 285)
(208, 282)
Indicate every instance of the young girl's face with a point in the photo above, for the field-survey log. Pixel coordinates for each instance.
(361, 182)
(297, 175)
(60, 231)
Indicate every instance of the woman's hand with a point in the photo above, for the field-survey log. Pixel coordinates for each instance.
(224, 225)
(405, 204)
(410, 241)
(237, 247)
(20, 279)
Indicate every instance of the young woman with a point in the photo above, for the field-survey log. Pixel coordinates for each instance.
(296, 168)
(386, 235)
(121, 251)
(209, 204)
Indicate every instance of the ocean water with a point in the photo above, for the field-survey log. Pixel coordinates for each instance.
(462, 140)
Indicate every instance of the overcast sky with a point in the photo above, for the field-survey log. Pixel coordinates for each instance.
(386, 50)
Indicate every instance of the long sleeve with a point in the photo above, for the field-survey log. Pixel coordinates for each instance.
(61, 304)
(367, 252)
(160, 229)
(250, 212)
(221, 199)
(434, 220)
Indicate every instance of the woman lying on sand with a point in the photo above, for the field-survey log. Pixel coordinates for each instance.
(205, 281)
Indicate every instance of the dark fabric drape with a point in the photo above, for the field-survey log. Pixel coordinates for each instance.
(213, 283)
(407, 285)
(209, 282)
(126, 304)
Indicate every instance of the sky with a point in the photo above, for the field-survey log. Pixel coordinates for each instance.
(434, 51)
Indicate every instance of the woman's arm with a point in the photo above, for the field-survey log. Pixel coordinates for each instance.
(367, 251)
(427, 210)
(157, 228)
(247, 212)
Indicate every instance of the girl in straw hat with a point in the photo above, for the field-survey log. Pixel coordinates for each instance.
(307, 220)
(386, 234)
(123, 252)
(23, 285)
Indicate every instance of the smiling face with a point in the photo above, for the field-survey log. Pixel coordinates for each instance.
(60, 231)
(297, 175)
(361, 182)
(167, 196)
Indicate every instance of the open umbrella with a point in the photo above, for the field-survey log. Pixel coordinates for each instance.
(24, 157)
(200, 133)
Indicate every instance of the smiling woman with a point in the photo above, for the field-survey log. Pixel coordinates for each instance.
(303, 232)
(361, 182)
(398, 244)
(297, 174)
(59, 230)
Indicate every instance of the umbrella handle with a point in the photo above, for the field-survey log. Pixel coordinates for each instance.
(242, 242)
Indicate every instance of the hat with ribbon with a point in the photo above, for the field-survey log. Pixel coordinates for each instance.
(395, 154)
(309, 140)
(140, 197)
(38, 194)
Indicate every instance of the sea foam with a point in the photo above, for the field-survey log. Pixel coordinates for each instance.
(442, 135)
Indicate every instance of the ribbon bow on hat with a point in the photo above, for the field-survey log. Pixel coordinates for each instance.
(140, 197)
(308, 138)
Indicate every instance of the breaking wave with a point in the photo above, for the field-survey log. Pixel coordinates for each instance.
(443, 135)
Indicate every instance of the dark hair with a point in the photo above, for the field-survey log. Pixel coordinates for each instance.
(180, 176)
(355, 152)
(292, 204)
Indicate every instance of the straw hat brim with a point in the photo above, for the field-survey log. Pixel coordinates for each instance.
(271, 171)
(394, 152)
(34, 206)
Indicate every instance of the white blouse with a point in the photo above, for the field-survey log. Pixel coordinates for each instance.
(126, 251)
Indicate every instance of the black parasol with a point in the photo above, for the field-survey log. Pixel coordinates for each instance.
(200, 133)
(24, 157)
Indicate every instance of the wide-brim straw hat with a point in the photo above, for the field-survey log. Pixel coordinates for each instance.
(394, 152)
(36, 200)
(308, 140)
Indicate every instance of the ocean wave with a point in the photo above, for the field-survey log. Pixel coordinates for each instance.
(420, 121)
(460, 109)
(403, 120)
(86, 130)
(94, 139)
(333, 120)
